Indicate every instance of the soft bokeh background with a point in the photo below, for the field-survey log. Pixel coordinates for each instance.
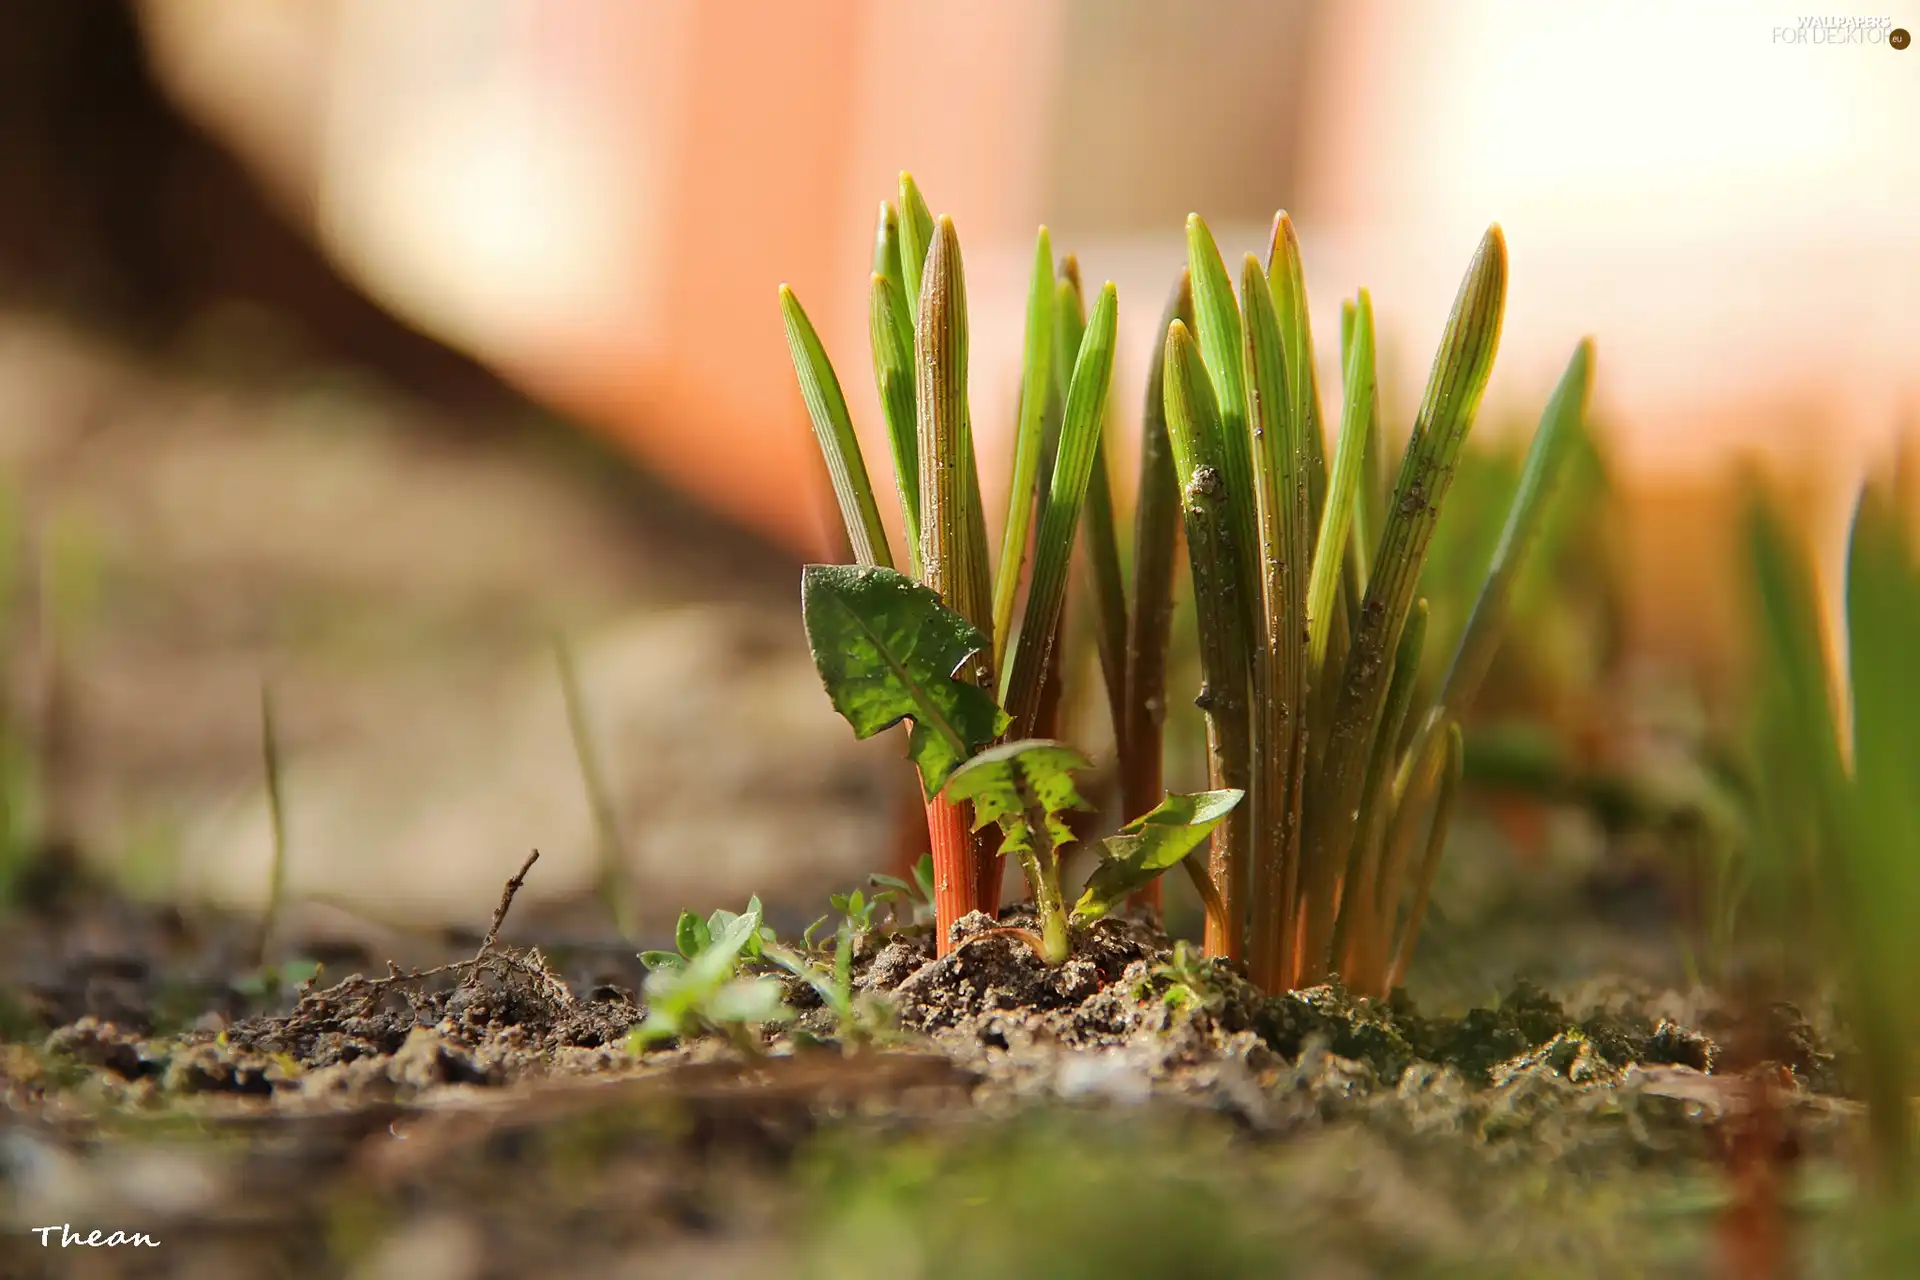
(314, 308)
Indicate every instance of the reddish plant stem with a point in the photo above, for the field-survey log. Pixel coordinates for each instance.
(957, 887)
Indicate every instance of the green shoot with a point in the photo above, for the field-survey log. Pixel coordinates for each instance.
(1105, 581)
(1024, 788)
(1193, 432)
(890, 332)
(1060, 516)
(911, 901)
(1156, 530)
(694, 935)
(859, 1017)
(704, 991)
(1833, 843)
(610, 858)
(1343, 494)
(277, 821)
(832, 424)
(1460, 373)
(1277, 422)
(1036, 383)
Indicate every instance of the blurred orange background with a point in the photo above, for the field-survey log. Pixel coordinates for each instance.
(598, 199)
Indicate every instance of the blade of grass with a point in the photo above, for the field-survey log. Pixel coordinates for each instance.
(616, 892)
(1358, 887)
(1800, 782)
(1367, 508)
(1101, 551)
(1429, 863)
(827, 408)
(1036, 384)
(1279, 673)
(954, 566)
(1419, 779)
(1060, 516)
(1561, 426)
(1156, 533)
(1460, 371)
(1881, 875)
(916, 239)
(890, 333)
(1218, 317)
(1287, 283)
(1193, 434)
(1343, 490)
(277, 820)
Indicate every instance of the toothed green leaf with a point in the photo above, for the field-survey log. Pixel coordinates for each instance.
(1149, 845)
(1002, 780)
(888, 650)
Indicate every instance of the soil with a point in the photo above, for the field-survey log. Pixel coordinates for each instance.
(485, 1116)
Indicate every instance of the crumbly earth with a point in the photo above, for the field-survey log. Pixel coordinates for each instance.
(487, 1118)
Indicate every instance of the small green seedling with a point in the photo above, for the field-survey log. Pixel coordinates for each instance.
(859, 1017)
(1186, 981)
(1026, 789)
(856, 907)
(702, 989)
(912, 899)
(269, 982)
(887, 649)
(694, 936)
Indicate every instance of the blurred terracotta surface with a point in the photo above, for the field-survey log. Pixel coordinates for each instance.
(599, 199)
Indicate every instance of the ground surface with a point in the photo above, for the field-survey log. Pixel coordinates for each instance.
(1114, 1117)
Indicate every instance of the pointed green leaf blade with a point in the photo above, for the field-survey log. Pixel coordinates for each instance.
(832, 424)
(1343, 491)
(953, 539)
(1460, 371)
(1279, 672)
(1287, 285)
(1561, 426)
(1193, 434)
(1036, 383)
(1105, 581)
(1060, 515)
(1156, 536)
(890, 334)
(916, 238)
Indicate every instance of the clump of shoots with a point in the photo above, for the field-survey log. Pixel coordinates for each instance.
(1305, 578)
(1310, 629)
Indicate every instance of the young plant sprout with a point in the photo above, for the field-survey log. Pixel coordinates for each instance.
(888, 650)
(1832, 849)
(1304, 578)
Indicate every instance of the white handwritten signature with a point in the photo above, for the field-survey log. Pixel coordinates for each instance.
(69, 1238)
